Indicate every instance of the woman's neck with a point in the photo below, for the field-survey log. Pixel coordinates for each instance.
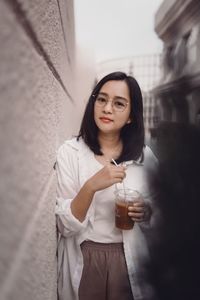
(111, 145)
(109, 141)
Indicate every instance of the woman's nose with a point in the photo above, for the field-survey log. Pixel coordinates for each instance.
(108, 106)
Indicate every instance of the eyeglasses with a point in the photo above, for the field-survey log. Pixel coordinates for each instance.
(118, 104)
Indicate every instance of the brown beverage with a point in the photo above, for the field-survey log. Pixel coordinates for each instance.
(122, 219)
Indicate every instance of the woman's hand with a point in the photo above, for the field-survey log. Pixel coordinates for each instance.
(106, 177)
(139, 211)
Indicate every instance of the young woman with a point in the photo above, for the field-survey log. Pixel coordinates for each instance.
(96, 260)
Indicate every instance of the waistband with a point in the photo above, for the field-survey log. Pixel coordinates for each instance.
(102, 246)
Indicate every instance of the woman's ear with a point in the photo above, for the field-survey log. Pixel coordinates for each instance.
(129, 121)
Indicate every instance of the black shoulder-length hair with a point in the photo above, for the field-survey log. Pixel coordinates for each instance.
(132, 134)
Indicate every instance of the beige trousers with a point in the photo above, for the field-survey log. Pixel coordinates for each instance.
(104, 274)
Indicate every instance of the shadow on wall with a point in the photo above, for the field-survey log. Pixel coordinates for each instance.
(175, 240)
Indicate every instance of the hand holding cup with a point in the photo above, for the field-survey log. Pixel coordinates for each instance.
(139, 211)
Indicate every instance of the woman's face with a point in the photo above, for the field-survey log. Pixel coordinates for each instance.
(112, 107)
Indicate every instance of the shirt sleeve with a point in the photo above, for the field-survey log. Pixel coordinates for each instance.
(149, 194)
(67, 188)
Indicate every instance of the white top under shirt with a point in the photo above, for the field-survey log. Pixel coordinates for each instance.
(104, 229)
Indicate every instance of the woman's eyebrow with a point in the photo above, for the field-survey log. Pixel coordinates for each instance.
(115, 97)
(102, 93)
(120, 97)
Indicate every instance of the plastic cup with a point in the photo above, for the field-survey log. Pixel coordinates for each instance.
(123, 199)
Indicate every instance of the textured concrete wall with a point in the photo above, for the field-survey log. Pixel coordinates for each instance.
(38, 110)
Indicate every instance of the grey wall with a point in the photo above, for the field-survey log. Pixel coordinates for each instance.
(39, 110)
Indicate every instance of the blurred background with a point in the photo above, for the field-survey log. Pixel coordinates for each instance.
(52, 53)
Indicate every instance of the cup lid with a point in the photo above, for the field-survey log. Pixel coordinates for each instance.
(127, 193)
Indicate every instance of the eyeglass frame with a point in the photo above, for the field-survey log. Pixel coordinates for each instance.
(108, 100)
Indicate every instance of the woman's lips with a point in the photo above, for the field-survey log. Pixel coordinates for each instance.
(106, 120)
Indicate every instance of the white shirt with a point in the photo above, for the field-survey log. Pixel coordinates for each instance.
(75, 165)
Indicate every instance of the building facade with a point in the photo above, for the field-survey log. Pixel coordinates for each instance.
(177, 24)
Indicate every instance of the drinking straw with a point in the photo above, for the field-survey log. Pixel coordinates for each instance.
(114, 162)
(123, 180)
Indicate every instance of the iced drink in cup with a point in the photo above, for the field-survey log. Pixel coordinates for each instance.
(124, 198)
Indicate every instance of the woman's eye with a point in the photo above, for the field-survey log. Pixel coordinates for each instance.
(120, 104)
(100, 99)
